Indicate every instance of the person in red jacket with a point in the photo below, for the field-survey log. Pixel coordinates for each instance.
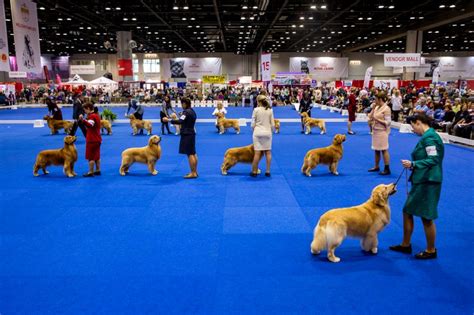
(93, 139)
(351, 108)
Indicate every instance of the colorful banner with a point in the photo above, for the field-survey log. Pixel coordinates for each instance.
(125, 67)
(214, 79)
(368, 74)
(401, 60)
(322, 68)
(4, 62)
(26, 33)
(190, 68)
(266, 66)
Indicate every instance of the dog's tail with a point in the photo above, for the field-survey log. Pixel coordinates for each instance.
(319, 241)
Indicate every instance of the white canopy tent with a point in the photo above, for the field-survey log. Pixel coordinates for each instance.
(104, 83)
(76, 80)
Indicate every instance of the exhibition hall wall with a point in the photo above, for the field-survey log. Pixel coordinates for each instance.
(235, 66)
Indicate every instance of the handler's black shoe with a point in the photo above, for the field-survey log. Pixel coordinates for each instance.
(97, 173)
(401, 249)
(426, 255)
(88, 175)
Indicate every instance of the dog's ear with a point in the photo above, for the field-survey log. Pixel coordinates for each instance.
(379, 196)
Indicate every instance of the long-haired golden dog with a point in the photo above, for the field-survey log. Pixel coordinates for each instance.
(313, 122)
(138, 124)
(106, 125)
(364, 221)
(148, 155)
(235, 155)
(65, 156)
(277, 125)
(225, 123)
(330, 155)
(56, 125)
(177, 127)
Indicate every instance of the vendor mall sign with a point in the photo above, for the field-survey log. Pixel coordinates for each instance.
(402, 60)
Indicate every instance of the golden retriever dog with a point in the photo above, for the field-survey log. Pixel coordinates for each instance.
(177, 127)
(225, 123)
(364, 221)
(56, 125)
(106, 125)
(313, 122)
(277, 125)
(148, 155)
(235, 155)
(330, 155)
(65, 156)
(138, 125)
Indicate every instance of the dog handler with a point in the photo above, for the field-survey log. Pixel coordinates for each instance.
(93, 139)
(187, 144)
(426, 177)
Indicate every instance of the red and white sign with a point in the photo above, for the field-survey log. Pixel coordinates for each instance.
(26, 33)
(402, 60)
(321, 68)
(4, 60)
(266, 66)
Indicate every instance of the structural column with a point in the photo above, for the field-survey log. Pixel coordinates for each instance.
(124, 56)
(414, 44)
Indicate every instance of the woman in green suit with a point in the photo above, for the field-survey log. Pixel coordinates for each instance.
(426, 177)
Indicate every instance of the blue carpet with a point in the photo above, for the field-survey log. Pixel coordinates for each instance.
(154, 112)
(236, 245)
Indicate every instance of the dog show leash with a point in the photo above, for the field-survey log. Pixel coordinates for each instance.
(405, 170)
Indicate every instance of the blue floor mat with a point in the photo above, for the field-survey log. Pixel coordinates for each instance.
(143, 244)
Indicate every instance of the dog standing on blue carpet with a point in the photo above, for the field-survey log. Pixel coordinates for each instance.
(148, 155)
(65, 156)
(364, 221)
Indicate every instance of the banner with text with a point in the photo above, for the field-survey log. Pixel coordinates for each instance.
(190, 68)
(26, 33)
(214, 79)
(450, 68)
(4, 62)
(401, 60)
(321, 67)
(82, 69)
(266, 66)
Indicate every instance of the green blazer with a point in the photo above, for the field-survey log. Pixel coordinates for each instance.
(427, 159)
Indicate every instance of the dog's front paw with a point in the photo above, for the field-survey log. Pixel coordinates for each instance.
(322, 132)
(334, 259)
(374, 250)
(35, 174)
(259, 171)
(335, 173)
(154, 172)
(70, 175)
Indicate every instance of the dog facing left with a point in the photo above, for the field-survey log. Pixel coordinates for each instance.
(148, 155)
(65, 156)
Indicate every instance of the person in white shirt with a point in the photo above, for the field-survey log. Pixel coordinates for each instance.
(396, 101)
(219, 110)
(262, 125)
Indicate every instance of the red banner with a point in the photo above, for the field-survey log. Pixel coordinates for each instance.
(125, 67)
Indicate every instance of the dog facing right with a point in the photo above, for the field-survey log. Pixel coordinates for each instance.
(364, 221)
(330, 155)
(149, 155)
